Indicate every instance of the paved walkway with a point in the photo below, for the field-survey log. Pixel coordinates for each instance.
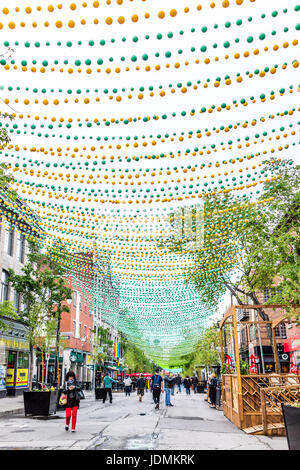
(127, 424)
(11, 405)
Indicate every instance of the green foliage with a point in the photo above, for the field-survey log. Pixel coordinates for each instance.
(249, 247)
(244, 367)
(135, 359)
(102, 344)
(206, 351)
(5, 177)
(43, 293)
(7, 311)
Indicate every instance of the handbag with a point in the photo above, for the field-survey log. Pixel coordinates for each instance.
(63, 400)
(80, 394)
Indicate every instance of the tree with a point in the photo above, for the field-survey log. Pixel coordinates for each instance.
(43, 293)
(206, 353)
(7, 312)
(134, 358)
(5, 177)
(102, 344)
(248, 245)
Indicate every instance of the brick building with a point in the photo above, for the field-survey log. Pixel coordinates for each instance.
(256, 339)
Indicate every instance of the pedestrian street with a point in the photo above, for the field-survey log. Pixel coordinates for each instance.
(127, 424)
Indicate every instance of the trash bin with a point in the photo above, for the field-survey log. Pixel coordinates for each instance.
(219, 393)
(200, 388)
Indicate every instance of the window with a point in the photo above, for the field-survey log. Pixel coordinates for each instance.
(84, 333)
(280, 331)
(252, 332)
(8, 241)
(20, 247)
(74, 328)
(90, 336)
(4, 285)
(17, 301)
(75, 299)
(79, 330)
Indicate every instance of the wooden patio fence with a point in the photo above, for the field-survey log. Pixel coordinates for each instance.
(243, 403)
(271, 399)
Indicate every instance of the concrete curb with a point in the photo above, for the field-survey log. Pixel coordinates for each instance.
(16, 411)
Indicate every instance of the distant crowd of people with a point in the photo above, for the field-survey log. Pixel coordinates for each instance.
(72, 392)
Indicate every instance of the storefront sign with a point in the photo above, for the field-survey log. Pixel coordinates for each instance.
(292, 344)
(2, 377)
(10, 378)
(15, 344)
(22, 378)
(293, 364)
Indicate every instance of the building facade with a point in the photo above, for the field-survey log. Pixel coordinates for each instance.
(256, 343)
(16, 224)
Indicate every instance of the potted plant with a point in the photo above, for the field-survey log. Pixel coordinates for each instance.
(291, 415)
(40, 402)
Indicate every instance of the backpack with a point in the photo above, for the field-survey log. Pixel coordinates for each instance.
(156, 381)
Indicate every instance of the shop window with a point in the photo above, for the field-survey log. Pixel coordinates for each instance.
(20, 247)
(8, 241)
(23, 360)
(4, 285)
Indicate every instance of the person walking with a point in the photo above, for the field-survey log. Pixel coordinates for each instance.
(187, 385)
(213, 390)
(107, 384)
(173, 384)
(127, 385)
(73, 394)
(157, 386)
(169, 382)
(178, 382)
(195, 382)
(207, 386)
(133, 384)
(140, 385)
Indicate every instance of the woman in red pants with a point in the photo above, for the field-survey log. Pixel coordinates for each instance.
(73, 391)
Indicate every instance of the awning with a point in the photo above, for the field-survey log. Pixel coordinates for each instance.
(51, 358)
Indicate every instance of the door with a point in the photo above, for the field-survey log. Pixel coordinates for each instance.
(11, 370)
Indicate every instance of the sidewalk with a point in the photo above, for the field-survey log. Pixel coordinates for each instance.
(11, 406)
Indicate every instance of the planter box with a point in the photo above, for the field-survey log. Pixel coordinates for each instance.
(291, 415)
(40, 403)
(99, 393)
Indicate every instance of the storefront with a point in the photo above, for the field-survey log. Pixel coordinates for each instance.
(45, 367)
(292, 346)
(14, 359)
(80, 362)
(269, 361)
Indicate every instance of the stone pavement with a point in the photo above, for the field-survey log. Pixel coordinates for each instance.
(129, 425)
(11, 405)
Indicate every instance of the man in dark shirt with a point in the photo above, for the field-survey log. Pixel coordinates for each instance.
(157, 386)
(169, 381)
